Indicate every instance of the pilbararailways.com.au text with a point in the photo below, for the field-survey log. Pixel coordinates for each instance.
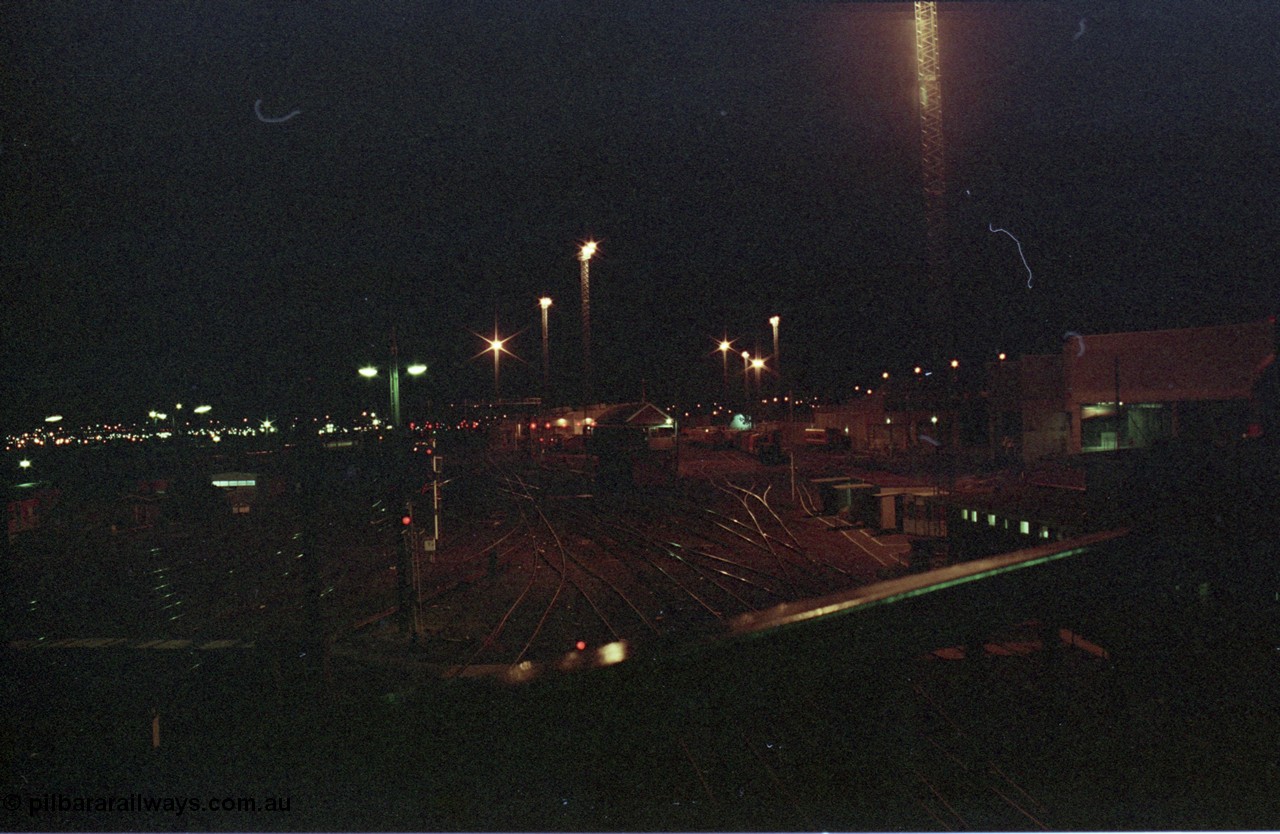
(49, 804)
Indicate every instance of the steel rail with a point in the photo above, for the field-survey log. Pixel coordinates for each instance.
(566, 556)
(644, 544)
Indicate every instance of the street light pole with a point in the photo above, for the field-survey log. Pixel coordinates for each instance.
(724, 371)
(777, 362)
(495, 345)
(545, 304)
(584, 257)
(758, 363)
(395, 380)
(416, 369)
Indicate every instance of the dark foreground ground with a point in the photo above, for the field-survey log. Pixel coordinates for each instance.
(842, 724)
(972, 707)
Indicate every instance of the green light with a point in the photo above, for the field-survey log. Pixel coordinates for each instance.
(368, 372)
(889, 592)
(415, 370)
(235, 482)
(24, 463)
(203, 409)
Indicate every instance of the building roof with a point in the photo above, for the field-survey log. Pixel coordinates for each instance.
(634, 414)
(1198, 363)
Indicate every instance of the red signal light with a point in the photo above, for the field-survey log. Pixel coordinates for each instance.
(581, 644)
(406, 520)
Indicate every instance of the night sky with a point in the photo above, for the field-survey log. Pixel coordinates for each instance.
(734, 160)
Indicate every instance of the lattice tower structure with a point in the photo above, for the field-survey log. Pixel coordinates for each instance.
(933, 174)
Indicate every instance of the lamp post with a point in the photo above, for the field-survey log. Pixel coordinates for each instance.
(498, 345)
(774, 321)
(758, 363)
(545, 304)
(584, 258)
(746, 380)
(724, 362)
(416, 369)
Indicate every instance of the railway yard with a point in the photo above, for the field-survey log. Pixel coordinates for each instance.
(293, 653)
(555, 569)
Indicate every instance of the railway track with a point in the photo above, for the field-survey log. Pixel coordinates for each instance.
(571, 570)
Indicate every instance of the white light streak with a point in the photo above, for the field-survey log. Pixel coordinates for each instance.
(1020, 255)
(272, 120)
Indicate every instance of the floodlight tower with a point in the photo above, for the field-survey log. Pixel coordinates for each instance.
(933, 174)
(584, 257)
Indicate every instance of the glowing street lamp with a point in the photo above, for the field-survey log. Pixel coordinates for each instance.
(757, 364)
(496, 345)
(584, 257)
(724, 348)
(416, 369)
(53, 418)
(545, 304)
